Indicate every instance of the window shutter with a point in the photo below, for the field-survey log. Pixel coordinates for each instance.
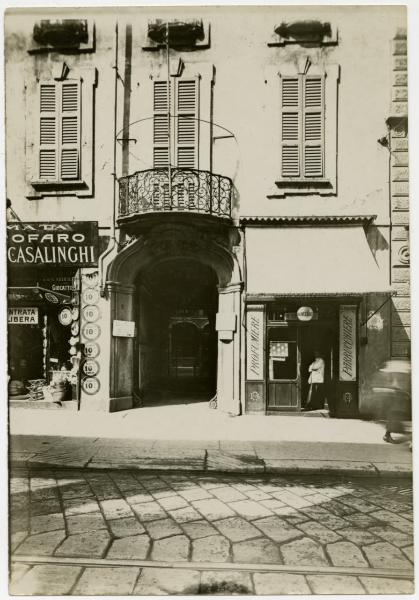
(187, 123)
(290, 125)
(70, 131)
(48, 135)
(313, 120)
(160, 125)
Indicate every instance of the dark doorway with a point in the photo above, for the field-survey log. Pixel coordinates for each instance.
(176, 345)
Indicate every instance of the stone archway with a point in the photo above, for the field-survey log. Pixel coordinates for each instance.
(151, 248)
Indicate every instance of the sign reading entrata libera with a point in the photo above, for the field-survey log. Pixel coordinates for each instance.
(57, 243)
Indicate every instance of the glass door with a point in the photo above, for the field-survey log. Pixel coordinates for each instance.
(283, 366)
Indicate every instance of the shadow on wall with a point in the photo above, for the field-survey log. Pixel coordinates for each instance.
(376, 241)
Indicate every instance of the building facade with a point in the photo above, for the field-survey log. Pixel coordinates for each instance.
(227, 197)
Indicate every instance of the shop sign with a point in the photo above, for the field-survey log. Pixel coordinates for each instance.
(254, 345)
(91, 350)
(90, 367)
(305, 313)
(123, 328)
(91, 331)
(22, 316)
(64, 243)
(347, 343)
(91, 314)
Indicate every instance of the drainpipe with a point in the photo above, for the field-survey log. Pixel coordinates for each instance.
(112, 240)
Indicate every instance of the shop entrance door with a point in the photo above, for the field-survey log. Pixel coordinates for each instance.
(317, 339)
(290, 351)
(283, 364)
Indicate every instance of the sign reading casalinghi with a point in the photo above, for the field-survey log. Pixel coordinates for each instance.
(57, 243)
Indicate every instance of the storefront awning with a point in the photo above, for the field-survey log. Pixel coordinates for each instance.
(36, 294)
(311, 261)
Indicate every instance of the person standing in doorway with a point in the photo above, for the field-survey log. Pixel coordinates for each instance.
(315, 398)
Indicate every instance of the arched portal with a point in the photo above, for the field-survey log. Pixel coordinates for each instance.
(165, 277)
(175, 360)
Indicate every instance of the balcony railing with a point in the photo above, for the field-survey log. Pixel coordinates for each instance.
(175, 190)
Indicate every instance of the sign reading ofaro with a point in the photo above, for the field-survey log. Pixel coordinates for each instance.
(63, 243)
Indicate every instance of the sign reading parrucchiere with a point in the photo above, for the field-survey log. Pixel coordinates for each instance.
(62, 243)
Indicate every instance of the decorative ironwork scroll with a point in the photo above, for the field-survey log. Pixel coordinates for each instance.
(189, 190)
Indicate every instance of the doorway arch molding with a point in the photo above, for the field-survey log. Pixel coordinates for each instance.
(214, 249)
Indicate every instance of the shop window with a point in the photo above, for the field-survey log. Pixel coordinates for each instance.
(60, 157)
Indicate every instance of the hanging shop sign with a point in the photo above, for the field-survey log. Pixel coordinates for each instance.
(66, 243)
(22, 316)
(305, 313)
(347, 343)
(254, 343)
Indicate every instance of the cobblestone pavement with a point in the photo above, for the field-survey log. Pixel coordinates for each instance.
(118, 532)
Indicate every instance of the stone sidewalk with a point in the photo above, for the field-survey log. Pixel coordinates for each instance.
(195, 438)
(79, 531)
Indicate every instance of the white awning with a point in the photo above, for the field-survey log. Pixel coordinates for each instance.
(311, 260)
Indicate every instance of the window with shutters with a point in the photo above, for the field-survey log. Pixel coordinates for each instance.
(304, 110)
(302, 127)
(176, 123)
(59, 131)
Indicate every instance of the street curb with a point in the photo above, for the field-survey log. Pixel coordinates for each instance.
(298, 467)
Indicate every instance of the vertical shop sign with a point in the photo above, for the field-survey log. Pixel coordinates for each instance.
(347, 343)
(254, 344)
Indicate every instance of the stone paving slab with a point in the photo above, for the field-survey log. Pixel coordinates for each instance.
(312, 522)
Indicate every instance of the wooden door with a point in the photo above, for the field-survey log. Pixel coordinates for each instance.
(283, 365)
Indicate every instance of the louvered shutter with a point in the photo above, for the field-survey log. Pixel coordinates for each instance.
(290, 126)
(160, 125)
(313, 124)
(70, 131)
(187, 123)
(48, 133)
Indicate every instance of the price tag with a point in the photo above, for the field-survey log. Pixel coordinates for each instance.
(91, 350)
(90, 296)
(91, 331)
(90, 385)
(65, 317)
(91, 314)
(90, 367)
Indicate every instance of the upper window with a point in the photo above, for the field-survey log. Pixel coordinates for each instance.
(59, 131)
(176, 123)
(302, 126)
(59, 139)
(302, 104)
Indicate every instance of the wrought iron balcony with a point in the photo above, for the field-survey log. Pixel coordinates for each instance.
(175, 190)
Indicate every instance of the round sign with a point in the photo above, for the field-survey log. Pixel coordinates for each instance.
(91, 313)
(90, 367)
(65, 317)
(305, 313)
(91, 350)
(75, 328)
(90, 385)
(91, 331)
(51, 297)
(90, 296)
